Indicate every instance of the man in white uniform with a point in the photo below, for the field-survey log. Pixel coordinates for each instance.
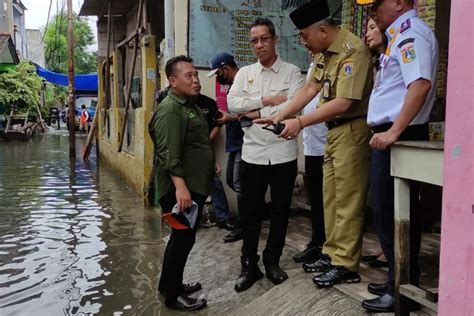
(399, 109)
(314, 141)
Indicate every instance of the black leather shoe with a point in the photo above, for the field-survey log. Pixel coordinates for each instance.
(249, 275)
(310, 253)
(225, 225)
(185, 303)
(335, 275)
(322, 264)
(379, 289)
(191, 287)
(368, 258)
(275, 274)
(234, 235)
(382, 303)
(376, 263)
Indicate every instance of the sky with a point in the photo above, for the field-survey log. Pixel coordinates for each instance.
(37, 14)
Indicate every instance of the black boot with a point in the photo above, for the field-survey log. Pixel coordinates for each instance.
(249, 275)
(273, 271)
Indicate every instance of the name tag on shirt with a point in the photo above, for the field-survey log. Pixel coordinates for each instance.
(326, 89)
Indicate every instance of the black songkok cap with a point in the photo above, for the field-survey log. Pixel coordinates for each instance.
(310, 13)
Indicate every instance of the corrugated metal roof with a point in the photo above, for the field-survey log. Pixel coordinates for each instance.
(99, 7)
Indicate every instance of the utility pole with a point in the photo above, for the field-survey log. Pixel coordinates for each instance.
(71, 96)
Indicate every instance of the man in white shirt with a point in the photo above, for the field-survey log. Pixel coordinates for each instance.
(262, 89)
(314, 141)
(399, 109)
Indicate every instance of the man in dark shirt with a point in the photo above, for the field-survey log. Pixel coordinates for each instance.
(224, 67)
(219, 200)
(184, 173)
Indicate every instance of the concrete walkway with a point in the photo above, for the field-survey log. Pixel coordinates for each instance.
(216, 265)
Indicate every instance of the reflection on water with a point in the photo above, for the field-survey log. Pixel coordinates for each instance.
(74, 238)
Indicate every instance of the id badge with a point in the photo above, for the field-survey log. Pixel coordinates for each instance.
(326, 89)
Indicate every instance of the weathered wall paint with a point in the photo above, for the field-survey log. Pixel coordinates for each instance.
(134, 167)
(456, 293)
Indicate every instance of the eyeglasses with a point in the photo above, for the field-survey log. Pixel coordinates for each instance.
(263, 39)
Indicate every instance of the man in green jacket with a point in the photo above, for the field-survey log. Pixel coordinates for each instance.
(184, 173)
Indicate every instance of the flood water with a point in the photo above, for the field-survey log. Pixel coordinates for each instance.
(74, 239)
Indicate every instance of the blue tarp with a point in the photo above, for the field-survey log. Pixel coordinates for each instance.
(87, 82)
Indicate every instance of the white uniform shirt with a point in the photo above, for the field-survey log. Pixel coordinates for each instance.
(314, 136)
(262, 147)
(412, 54)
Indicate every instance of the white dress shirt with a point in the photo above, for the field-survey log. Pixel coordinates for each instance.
(412, 54)
(314, 136)
(251, 83)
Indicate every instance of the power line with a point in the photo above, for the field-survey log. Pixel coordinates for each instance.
(61, 16)
(54, 53)
(47, 21)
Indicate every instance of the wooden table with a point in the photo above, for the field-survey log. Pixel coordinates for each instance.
(411, 160)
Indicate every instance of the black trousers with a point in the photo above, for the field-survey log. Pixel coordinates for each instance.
(177, 250)
(234, 163)
(255, 181)
(382, 193)
(314, 173)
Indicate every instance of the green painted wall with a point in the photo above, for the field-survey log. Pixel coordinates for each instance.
(6, 67)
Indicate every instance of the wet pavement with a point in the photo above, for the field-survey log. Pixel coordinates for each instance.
(75, 240)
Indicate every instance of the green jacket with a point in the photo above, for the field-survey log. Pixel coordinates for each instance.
(182, 146)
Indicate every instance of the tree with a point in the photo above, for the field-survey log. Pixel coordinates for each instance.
(55, 40)
(20, 88)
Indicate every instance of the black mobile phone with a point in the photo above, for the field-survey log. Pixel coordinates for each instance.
(277, 128)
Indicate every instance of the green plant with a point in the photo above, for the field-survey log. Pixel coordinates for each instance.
(20, 88)
(55, 96)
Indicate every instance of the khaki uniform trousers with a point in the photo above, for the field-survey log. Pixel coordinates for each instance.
(346, 171)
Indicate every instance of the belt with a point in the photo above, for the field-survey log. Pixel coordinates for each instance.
(381, 128)
(332, 124)
(412, 132)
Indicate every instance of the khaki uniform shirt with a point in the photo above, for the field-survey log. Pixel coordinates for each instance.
(345, 70)
(182, 146)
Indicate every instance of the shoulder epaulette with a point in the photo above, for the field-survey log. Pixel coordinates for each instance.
(405, 26)
(348, 48)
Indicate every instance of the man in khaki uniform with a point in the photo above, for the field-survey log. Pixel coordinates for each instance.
(342, 71)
